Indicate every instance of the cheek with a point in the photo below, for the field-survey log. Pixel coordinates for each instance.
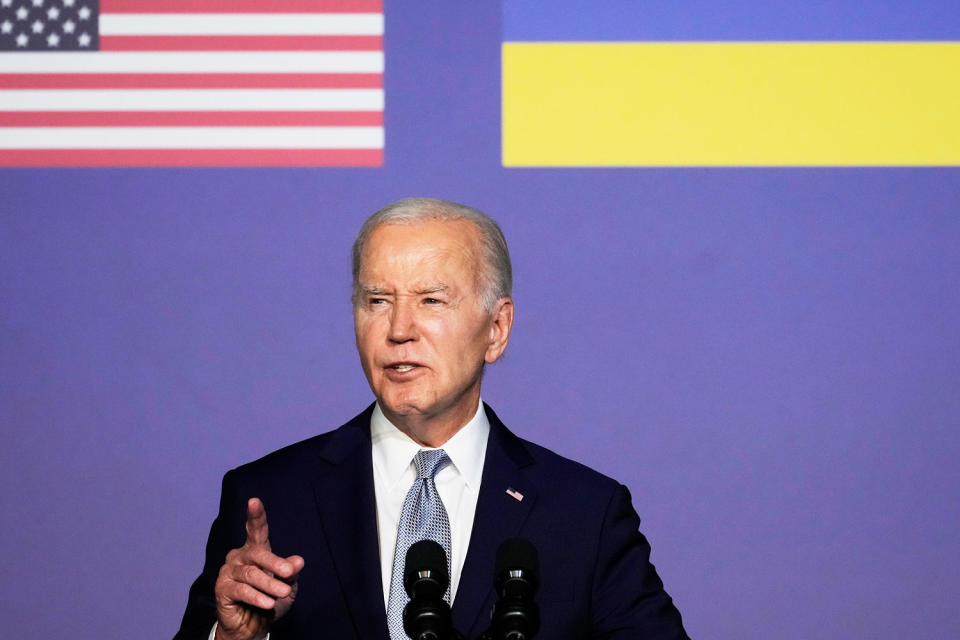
(465, 345)
(447, 337)
(366, 328)
(368, 357)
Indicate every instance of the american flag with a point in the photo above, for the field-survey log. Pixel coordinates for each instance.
(513, 493)
(191, 83)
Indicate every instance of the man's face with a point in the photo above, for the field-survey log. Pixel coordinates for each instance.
(422, 332)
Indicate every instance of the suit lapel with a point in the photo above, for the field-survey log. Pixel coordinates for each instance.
(346, 501)
(498, 516)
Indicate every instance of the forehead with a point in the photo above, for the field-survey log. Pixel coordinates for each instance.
(421, 250)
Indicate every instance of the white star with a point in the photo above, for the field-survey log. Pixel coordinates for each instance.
(69, 26)
(6, 3)
(22, 39)
(22, 13)
(53, 13)
(84, 13)
(53, 40)
(37, 26)
(68, 3)
(6, 27)
(38, 3)
(84, 39)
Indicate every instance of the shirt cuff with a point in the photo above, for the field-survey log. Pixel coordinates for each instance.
(213, 633)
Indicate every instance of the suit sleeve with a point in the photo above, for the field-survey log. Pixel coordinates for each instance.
(628, 596)
(226, 533)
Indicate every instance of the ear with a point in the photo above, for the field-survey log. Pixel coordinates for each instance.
(501, 323)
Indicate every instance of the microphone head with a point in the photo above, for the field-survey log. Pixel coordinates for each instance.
(426, 566)
(517, 567)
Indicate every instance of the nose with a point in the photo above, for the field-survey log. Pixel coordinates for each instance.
(403, 324)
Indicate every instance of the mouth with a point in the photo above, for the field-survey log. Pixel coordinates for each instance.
(402, 367)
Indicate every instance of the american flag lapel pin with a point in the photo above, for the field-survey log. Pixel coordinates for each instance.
(513, 493)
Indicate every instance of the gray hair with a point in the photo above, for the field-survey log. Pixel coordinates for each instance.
(496, 277)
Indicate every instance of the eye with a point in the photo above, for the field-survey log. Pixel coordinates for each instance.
(376, 301)
(431, 301)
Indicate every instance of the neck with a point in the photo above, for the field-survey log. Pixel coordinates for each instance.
(429, 436)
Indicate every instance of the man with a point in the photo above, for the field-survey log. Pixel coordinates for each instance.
(432, 305)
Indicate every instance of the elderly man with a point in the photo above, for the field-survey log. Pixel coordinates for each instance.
(431, 299)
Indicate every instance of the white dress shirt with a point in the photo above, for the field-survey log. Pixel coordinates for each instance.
(458, 485)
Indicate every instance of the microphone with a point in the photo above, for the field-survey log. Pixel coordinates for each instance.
(516, 615)
(425, 578)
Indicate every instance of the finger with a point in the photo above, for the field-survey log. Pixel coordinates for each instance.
(261, 581)
(257, 532)
(296, 563)
(240, 592)
(269, 562)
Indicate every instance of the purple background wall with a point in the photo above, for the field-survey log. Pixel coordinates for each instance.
(768, 358)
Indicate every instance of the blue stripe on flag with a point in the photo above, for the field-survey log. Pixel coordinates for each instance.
(737, 20)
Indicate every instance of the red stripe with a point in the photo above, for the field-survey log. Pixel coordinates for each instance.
(191, 81)
(241, 6)
(191, 158)
(241, 43)
(190, 119)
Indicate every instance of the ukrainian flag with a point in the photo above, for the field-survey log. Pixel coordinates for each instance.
(610, 83)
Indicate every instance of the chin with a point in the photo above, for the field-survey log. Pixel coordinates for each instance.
(403, 406)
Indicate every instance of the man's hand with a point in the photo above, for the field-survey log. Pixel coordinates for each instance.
(255, 586)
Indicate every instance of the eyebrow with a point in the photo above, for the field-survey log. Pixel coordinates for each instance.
(372, 291)
(435, 288)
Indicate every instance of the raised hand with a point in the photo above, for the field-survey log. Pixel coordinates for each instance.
(255, 586)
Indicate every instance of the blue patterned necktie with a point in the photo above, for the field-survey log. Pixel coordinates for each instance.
(423, 516)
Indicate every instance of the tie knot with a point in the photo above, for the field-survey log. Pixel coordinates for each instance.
(429, 461)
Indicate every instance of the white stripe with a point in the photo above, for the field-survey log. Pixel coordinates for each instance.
(192, 100)
(194, 62)
(191, 138)
(347, 24)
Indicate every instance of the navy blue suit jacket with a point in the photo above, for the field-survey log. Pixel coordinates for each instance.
(596, 578)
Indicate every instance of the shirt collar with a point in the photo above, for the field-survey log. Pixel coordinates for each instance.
(393, 450)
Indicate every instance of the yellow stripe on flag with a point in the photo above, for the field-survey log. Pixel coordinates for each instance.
(744, 104)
